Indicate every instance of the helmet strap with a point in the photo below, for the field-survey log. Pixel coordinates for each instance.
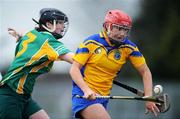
(108, 30)
(50, 30)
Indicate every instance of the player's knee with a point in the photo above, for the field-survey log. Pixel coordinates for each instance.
(39, 115)
(104, 116)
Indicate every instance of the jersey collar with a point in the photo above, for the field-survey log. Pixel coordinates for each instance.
(103, 34)
(45, 32)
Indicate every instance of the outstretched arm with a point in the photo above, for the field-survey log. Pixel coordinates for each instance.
(67, 57)
(15, 34)
(147, 80)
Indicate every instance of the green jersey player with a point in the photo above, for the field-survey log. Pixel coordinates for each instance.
(35, 54)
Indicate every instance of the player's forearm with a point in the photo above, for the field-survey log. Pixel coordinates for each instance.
(78, 79)
(147, 80)
(67, 57)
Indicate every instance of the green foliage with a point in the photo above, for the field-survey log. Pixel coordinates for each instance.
(158, 32)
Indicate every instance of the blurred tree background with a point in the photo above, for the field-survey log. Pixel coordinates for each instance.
(157, 31)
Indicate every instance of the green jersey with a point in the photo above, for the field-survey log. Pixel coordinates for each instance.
(34, 55)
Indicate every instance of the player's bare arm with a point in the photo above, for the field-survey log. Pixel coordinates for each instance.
(14, 33)
(147, 80)
(78, 79)
(67, 57)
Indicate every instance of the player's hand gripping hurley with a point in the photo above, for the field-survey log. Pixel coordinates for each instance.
(162, 100)
(163, 105)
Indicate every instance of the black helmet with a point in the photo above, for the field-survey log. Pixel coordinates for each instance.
(52, 15)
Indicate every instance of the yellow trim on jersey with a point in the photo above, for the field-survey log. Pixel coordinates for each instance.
(106, 38)
(101, 35)
(14, 72)
(25, 43)
(52, 54)
(39, 54)
(46, 49)
(21, 84)
(35, 69)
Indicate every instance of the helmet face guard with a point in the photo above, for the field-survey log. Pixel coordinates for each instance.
(53, 16)
(119, 20)
(119, 27)
(66, 26)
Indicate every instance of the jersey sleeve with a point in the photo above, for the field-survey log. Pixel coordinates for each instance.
(136, 57)
(83, 53)
(57, 49)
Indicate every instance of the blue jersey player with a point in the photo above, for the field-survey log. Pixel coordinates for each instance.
(97, 62)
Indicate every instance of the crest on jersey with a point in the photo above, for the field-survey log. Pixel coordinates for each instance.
(117, 55)
(98, 50)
